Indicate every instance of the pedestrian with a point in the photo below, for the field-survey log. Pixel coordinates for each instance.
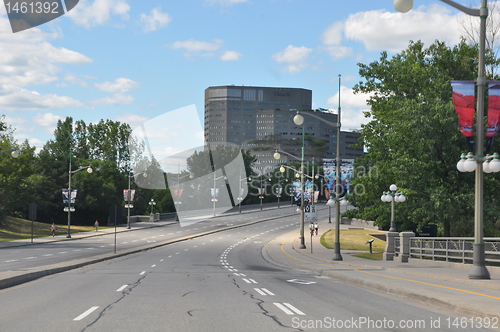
(53, 229)
(316, 228)
(96, 225)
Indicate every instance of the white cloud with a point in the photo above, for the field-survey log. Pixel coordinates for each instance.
(14, 98)
(99, 12)
(120, 85)
(29, 59)
(133, 120)
(46, 119)
(155, 20)
(194, 47)
(332, 40)
(352, 105)
(294, 57)
(115, 99)
(382, 30)
(73, 79)
(117, 89)
(230, 56)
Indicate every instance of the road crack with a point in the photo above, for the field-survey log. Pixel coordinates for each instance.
(124, 292)
(260, 303)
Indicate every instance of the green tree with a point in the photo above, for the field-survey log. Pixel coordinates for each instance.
(413, 140)
(104, 146)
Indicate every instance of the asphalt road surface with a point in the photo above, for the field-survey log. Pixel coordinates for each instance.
(218, 282)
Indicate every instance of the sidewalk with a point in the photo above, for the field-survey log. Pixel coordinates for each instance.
(81, 235)
(16, 277)
(431, 283)
(123, 228)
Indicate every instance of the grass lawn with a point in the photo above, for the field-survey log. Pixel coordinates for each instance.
(17, 229)
(355, 239)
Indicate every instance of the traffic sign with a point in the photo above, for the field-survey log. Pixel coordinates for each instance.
(310, 213)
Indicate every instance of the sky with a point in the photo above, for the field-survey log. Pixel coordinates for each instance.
(133, 61)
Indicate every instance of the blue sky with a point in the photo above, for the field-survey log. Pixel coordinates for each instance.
(132, 61)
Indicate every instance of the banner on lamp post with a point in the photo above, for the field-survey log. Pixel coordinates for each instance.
(463, 98)
(327, 194)
(493, 113)
(65, 196)
(128, 196)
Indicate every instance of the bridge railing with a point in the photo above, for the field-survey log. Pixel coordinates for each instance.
(452, 249)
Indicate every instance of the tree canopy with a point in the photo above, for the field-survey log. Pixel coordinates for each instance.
(105, 147)
(413, 141)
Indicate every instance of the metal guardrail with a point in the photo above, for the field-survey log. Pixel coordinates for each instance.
(452, 249)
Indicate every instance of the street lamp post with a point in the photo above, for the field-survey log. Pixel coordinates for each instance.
(338, 187)
(70, 209)
(14, 152)
(129, 196)
(331, 203)
(393, 196)
(298, 119)
(214, 199)
(478, 269)
(152, 203)
(279, 191)
(262, 191)
(130, 199)
(240, 199)
(178, 192)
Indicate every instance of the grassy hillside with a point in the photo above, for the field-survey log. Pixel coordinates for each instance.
(355, 239)
(18, 229)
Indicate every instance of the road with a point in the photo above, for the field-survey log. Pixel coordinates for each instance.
(218, 282)
(23, 257)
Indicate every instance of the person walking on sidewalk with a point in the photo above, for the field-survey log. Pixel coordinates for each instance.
(316, 228)
(96, 225)
(53, 229)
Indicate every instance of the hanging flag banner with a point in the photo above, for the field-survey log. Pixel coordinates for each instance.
(493, 108)
(128, 196)
(65, 196)
(178, 193)
(463, 98)
(316, 196)
(327, 193)
(215, 193)
(493, 113)
(279, 191)
(262, 191)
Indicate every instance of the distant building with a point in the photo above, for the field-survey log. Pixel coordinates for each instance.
(261, 119)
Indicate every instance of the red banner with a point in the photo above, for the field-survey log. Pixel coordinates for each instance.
(493, 109)
(327, 194)
(463, 98)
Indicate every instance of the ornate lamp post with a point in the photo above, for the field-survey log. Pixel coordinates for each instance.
(277, 155)
(178, 192)
(392, 196)
(70, 172)
(240, 191)
(129, 197)
(152, 203)
(478, 269)
(262, 190)
(214, 190)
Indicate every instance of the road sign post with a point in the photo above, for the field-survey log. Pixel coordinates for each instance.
(311, 213)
